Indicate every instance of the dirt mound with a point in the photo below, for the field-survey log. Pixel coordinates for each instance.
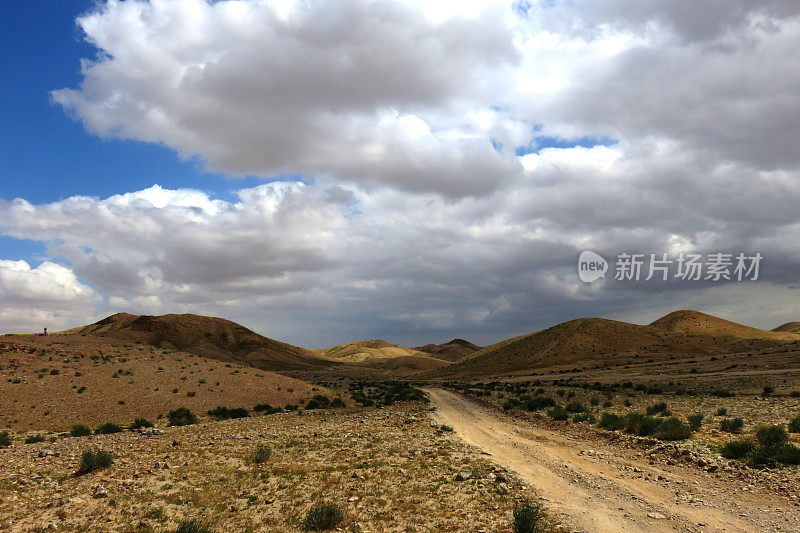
(592, 342)
(455, 350)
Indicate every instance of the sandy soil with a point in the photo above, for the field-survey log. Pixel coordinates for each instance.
(593, 485)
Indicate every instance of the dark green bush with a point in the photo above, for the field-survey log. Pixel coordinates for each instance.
(768, 436)
(722, 411)
(673, 429)
(529, 517)
(181, 417)
(737, 449)
(788, 454)
(338, 402)
(141, 423)
(79, 430)
(611, 421)
(223, 413)
(558, 413)
(695, 421)
(108, 428)
(5, 439)
(656, 408)
(539, 403)
(584, 417)
(92, 460)
(731, 425)
(575, 407)
(319, 402)
(322, 516)
(794, 425)
(33, 439)
(764, 457)
(641, 425)
(266, 409)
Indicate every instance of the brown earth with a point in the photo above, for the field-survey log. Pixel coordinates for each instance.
(56, 381)
(598, 342)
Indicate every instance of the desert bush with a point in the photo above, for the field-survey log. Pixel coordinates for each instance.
(731, 425)
(92, 460)
(33, 439)
(794, 425)
(673, 429)
(584, 417)
(79, 430)
(539, 403)
(322, 516)
(611, 421)
(641, 425)
(529, 517)
(795, 394)
(141, 423)
(338, 402)
(511, 403)
(656, 408)
(763, 457)
(107, 429)
(558, 413)
(737, 449)
(768, 390)
(768, 436)
(181, 417)
(223, 413)
(788, 454)
(445, 427)
(266, 409)
(319, 402)
(193, 526)
(575, 407)
(261, 454)
(695, 421)
(722, 411)
(5, 439)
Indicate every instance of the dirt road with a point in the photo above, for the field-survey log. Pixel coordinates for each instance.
(593, 485)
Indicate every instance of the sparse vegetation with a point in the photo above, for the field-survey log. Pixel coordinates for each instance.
(181, 417)
(139, 423)
(5, 439)
(323, 516)
(108, 428)
(194, 526)
(529, 517)
(92, 460)
(261, 454)
(695, 421)
(223, 413)
(80, 430)
(731, 425)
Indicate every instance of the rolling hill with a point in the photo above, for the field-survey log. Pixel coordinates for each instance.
(455, 350)
(596, 341)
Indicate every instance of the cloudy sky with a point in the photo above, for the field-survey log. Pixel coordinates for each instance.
(414, 171)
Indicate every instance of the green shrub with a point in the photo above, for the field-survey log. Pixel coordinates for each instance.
(575, 407)
(737, 449)
(529, 517)
(558, 413)
(320, 402)
(181, 417)
(261, 454)
(108, 428)
(92, 460)
(794, 425)
(193, 526)
(656, 408)
(445, 427)
(5, 439)
(673, 429)
(584, 417)
(141, 423)
(731, 425)
(722, 411)
(338, 403)
(641, 425)
(768, 390)
(768, 436)
(788, 454)
(611, 421)
(763, 457)
(79, 430)
(322, 516)
(33, 439)
(695, 421)
(539, 403)
(223, 413)
(266, 409)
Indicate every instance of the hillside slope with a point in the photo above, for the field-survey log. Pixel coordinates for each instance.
(381, 355)
(597, 341)
(455, 350)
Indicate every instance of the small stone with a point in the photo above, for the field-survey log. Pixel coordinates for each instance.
(656, 516)
(100, 491)
(463, 475)
(502, 488)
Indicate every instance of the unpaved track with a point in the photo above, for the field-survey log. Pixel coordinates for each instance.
(607, 489)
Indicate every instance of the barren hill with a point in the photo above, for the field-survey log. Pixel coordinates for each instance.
(789, 327)
(596, 341)
(378, 354)
(56, 381)
(202, 335)
(455, 350)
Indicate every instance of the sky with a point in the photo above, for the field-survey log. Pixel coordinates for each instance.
(414, 171)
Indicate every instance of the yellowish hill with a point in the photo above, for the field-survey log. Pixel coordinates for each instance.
(382, 355)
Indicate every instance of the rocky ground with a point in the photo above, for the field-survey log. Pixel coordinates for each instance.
(389, 469)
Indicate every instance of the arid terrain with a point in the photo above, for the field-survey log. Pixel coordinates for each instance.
(691, 423)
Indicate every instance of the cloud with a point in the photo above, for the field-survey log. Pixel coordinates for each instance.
(49, 295)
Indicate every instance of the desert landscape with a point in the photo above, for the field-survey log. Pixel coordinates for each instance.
(691, 423)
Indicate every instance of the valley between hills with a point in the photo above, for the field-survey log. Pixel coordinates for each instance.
(174, 422)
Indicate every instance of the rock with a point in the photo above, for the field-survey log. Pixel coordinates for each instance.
(656, 516)
(46, 452)
(463, 475)
(100, 491)
(501, 477)
(502, 488)
(353, 499)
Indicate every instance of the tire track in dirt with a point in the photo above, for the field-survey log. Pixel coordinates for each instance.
(589, 493)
